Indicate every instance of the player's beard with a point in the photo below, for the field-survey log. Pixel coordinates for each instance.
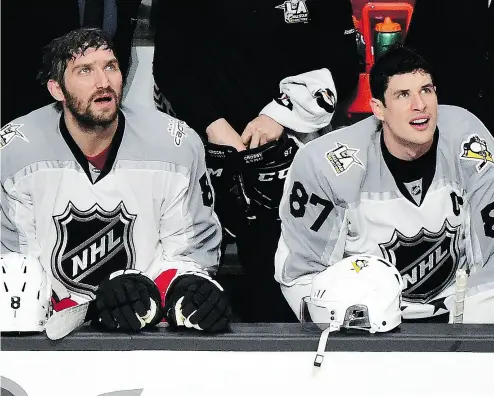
(85, 116)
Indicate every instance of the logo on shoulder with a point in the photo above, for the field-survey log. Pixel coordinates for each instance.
(475, 148)
(296, 11)
(176, 128)
(342, 158)
(9, 132)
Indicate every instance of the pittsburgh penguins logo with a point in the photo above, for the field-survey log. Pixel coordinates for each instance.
(359, 264)
(476, 149)
(326, 99)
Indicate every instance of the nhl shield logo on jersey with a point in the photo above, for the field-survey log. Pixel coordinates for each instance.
(91, 245)
(9, 132)
(476, 149)
(427, 261)
(295, 11)
(342, 158)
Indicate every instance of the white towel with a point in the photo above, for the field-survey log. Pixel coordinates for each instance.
(307, 102)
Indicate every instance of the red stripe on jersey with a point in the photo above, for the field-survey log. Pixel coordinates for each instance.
(163, 282)
(65, 303)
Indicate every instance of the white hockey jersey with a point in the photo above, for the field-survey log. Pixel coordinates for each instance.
(150, 208)
(345, 194)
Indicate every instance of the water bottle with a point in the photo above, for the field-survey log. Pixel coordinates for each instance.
(387, 33)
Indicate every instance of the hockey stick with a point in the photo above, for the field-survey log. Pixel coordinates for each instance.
(460, 293)
(62, 323)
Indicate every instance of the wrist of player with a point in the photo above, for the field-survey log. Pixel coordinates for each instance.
(127, 301)
(197, 301)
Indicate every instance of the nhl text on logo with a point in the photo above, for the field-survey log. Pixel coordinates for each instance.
(342, 158)
(91, 245)
(9, 132)
(427, 261)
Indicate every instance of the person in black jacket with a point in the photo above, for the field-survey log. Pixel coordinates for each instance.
(457, 39)
(22, 51)
(217, 65)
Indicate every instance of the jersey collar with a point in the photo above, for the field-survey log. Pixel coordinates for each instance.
(79, 156)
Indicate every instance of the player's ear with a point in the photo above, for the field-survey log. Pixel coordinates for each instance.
(55, 90)
(377, 108)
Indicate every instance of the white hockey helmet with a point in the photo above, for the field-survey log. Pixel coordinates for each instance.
(360, 291)
(25, 294)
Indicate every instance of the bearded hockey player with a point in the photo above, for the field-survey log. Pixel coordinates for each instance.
(413, 184)
(91, 190)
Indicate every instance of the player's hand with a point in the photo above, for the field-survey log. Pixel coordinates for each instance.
(261, 130)
(221, 132)
(197, 302)
(127, 301)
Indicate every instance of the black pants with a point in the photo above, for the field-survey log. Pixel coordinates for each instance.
(257, 296)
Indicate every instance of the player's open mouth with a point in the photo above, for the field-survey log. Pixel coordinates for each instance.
(420, 123)
(104, 99)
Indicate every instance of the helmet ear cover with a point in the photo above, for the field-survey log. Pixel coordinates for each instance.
(25, 294)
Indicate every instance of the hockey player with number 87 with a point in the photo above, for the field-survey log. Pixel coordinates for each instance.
(114, 203)
(413, 184)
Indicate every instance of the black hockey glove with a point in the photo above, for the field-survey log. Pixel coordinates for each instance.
(127, 301)
(197, 302)
(265, 171)
(232, 204)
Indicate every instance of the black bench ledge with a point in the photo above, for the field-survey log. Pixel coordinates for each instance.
(269, 338)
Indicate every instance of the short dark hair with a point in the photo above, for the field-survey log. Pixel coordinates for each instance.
(63, 49)
(396, 60)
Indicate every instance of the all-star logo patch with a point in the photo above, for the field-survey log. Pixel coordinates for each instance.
(295, 11)
(176, 128)
(342, 158)
(475, 149)
(9, 132)
(91, 245)
(427, 261)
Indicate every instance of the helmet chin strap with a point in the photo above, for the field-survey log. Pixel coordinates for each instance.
(322, 344)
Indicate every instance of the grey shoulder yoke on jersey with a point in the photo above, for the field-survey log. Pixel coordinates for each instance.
(340, 160)
(149, 135)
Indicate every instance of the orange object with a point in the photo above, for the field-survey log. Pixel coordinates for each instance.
(387, 26)
(361, 103)
(365, 22)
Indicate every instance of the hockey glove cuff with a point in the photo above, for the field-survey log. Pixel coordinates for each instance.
(197, 301)
(127, 301)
